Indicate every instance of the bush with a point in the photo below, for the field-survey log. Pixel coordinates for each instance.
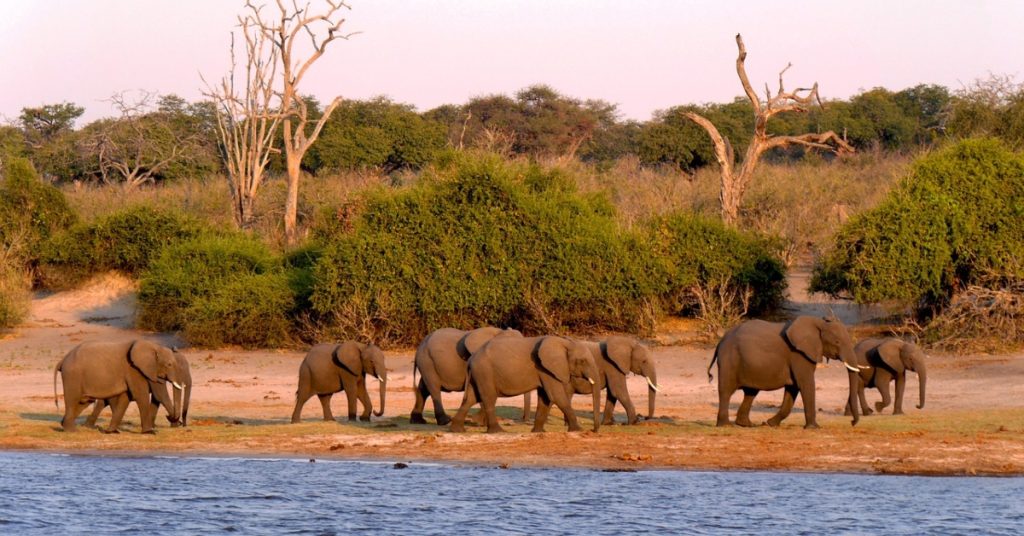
(249, 310)
(127, 240)
(14, 295)
(30, 210)
(484, 241)
(956, 219)
(193, 277)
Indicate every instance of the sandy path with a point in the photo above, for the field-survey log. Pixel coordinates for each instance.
(973, 423)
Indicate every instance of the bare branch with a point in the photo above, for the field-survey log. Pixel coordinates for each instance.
(742, 72)
(723, 149)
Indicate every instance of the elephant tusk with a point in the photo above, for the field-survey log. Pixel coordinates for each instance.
(851, 369)
(591, 381)
(655, 387)
(864, 367)
(178, 386)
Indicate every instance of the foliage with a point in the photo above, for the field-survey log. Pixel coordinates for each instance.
(955, 219)
(192, 271)
(672, 139)
(250, 310)
(980, 319)
(14, 293)
(30, 210)
(127, 240)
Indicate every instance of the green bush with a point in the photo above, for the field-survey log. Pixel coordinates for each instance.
(250, 310)
(956, 219)
(14, 295)
(192, 276)
(30, 210)
(127, 240)
(484, 241)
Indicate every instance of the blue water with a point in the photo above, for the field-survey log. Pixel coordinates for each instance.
(60, 494)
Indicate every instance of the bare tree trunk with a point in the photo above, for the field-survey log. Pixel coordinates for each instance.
(291, 204)
(735, 183)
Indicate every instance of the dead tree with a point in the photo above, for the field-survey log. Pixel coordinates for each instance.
(735, 182)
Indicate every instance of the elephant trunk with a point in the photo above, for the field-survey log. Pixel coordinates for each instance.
(185, 404)
(652, 390)
(383, 393)
(596, 394)
(922, 379)
(854, 377)
(175, 416)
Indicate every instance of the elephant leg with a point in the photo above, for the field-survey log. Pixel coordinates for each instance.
(883, 389)
(865, 409)
(97, 408)
(743, 414)
(609, 409)
(788, 397)
(725, 391)
(489, 414)
(73, 407)
(325, 404)
(118, 407)
(560, 398)
(301, 396)
(432, 383)
(458, 423)
(364, 397)
(901, 382)
(543, 409)
(351, 396)
(526, 406)
(617, 387)
(810, 409)
(416, 416)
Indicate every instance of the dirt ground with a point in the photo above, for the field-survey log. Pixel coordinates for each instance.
(242, 401)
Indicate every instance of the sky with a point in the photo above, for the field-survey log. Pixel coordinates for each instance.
(643, 55)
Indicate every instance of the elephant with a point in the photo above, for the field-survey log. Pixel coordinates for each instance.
(511, 366)
(330, 368)
(617, 357)
(764, 356)
(117, 371)
(441, 360)
(885, 360)
(182, 398)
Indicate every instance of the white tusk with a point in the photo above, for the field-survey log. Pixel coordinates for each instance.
(863, 367)
(851, 369)
(591, 381)
(178, 386)
(655, 387)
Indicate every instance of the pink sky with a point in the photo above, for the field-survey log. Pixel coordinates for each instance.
(643, 55)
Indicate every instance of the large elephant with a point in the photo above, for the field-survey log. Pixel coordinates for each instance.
(117, 371)
(441, 361)
(616, 357)
(330, 368)
(511, 366)
(764, 356)
(182, 397)
(885, 360)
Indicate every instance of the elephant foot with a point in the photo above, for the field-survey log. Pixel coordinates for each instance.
(149, 432)
(417, 418)
(879, 406)
(811, 426)
(364, 418)
(457, 427)
(496, 429)
(608, 422)
(575, 428)
(443, 419)
(745, 423)
(898, 412)
(536, 430)
(773, 423)
(108, 431)
(867, 411)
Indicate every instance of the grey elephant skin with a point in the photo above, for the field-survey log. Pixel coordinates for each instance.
(118, 371)
(441, 360)
(616, 358)
(765, 356)
(182, 397)
(883, 360)
(511, 366)
(330, 368)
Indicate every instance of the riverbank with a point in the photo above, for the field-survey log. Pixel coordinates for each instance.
(973, 422)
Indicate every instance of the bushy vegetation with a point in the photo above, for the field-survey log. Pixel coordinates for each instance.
(227, 289)
(14, 295)
(484, 241)
(30, 210)
(957, 219)
(127, 241)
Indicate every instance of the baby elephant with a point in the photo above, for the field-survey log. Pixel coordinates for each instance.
(329, 368)
(887, 360)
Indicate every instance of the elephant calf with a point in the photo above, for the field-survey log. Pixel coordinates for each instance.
(330, 368)
(883, 360)
(118, 372)
(616, 358)
(182, 397)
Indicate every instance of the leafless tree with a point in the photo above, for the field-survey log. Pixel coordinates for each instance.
(735, 182)
(274, 72)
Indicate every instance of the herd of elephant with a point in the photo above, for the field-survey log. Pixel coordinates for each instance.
(488, 363)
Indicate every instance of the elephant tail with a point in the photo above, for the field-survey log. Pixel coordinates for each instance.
(56, 370)
(712, 363)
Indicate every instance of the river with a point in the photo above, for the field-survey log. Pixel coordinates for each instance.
(67, 494)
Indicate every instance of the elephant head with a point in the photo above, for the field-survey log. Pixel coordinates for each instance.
(628, 355)
(567, 360)
(159, 365)
(820, 338)
(362, 359)
(901, 356)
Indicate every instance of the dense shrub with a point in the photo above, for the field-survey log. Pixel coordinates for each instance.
(14, 295)
(957, 218)
(30, 210)
(127, 240)
(231, 285)
(481, 240)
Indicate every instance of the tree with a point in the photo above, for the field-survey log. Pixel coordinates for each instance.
(46, 122)
(735, 182)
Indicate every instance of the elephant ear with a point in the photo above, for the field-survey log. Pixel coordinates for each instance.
(804, 336)
(348, 356)
(553, 354)
(142, 356)
(891, 353)
(619, 350)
